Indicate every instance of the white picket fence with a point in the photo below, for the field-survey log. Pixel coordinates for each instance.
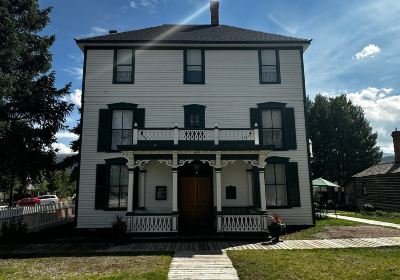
(39, 217)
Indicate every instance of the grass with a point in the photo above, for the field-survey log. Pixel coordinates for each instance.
(153, 267)
(321, 223)
(389, 217)
(327, 264)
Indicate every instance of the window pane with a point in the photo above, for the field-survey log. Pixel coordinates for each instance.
(266, 119)
(114, 175)
(194, 74)
(124, 175)
(269, 74)
(127, 119)
(126, 138)
(281, 195)
(267, 136)
(116, 139)
(277, 118)
(280, 174)
(124, 74)
(117, 119)
(268, 57)
(269, 174)
(271, 195)
(123, 197)
(124, 56)
(113, 197)
(194, 57)
(277, 138)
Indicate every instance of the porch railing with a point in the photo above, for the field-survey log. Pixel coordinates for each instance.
(40, 216)
(206, 134)
(152, 223)
(242, 223)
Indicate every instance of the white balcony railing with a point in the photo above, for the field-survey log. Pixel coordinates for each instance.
(152, 223)
(242, 223)
(206, 134)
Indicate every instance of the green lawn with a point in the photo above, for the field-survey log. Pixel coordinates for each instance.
(325, 264)
(104, 267)
(321, 223)
(381, 216)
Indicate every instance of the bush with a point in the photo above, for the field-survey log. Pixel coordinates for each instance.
(119, 228)
(368, 207)
(276, 227)
(14, 231)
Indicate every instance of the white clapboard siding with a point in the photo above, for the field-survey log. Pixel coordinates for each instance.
(232, 87)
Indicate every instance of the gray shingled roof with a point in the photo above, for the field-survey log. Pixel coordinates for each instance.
(194, 34)
(380, 169)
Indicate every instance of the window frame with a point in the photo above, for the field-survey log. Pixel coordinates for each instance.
(122, 129)
(118, 162)
(115, 66)
(282, 128)
(272, 106)
(194, 109)
(278, 68)
(185, 65)
(284, 161)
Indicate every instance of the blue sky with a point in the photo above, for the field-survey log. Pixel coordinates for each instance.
(355, 48)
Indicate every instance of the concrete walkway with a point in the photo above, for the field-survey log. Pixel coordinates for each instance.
(201, 265)
(365, 221)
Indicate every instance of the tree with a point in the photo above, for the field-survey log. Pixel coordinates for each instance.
(343, 142)
(32, 109)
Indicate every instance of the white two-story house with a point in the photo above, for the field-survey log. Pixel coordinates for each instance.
(193, 128)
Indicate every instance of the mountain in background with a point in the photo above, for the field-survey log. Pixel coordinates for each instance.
(387, 158)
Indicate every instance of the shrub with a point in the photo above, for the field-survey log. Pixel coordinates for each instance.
(368, 207)
(119, 227)
(13, 231)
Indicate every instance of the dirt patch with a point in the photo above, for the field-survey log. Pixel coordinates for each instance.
(356, 232)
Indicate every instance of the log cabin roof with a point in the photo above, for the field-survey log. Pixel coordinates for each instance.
(380, 169)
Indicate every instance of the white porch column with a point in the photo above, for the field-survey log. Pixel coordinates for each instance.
(261, 169)
(131, 181)
(219, 188)
(142, 183)
(250, 186)
(175, 182)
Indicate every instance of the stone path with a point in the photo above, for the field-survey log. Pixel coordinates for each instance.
(201, 265)
(365, 221)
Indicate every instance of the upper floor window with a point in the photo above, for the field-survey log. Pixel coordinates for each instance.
(124, 66)
(194, 116)
(194, 66)
(272, 127)
(122, 124)
(269, 66)
(275, 184)
(118, 187)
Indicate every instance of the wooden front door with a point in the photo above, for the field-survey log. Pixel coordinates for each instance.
(196, 207)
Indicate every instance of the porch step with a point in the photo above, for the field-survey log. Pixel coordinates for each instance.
(201, 265)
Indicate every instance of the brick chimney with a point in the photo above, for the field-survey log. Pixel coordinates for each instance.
(214, 8)
(396, 144)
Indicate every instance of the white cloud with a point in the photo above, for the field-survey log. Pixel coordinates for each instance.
(368, 51)
(66, 135)
(75, 97)
(62, 148)
(98, 30)
(152, 5)
(76, 72)
(133, 4)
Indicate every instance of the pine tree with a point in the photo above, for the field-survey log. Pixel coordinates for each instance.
(32, 109)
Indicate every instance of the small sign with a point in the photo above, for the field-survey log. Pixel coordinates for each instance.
(161, 192)
(230, 192)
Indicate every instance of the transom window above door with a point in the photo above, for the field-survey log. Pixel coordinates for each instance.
(122, 125)
(194, 66)
(272, 127)
(124, 66)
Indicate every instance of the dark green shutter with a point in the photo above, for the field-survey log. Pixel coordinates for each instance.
(104, 130)
(256, 187)
(254, 117)
(101, 187)
(289, 129)
(139, 117)
(293, 185)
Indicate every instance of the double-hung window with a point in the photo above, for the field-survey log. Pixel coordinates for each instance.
(269, 66)
(194, 116)
(124, 66)
(118, 187)
(275, 184)
(194, 66)
(272, 127)
(122, 124)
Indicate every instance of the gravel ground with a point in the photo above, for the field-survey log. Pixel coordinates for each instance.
(356, 232)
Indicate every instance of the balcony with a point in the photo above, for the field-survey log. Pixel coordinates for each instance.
(178, 136)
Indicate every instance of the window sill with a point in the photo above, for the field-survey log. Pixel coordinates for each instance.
(192, 83)
(279, 207)
(270, 83)
(125, 83)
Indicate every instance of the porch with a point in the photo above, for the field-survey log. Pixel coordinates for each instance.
(200, 162)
